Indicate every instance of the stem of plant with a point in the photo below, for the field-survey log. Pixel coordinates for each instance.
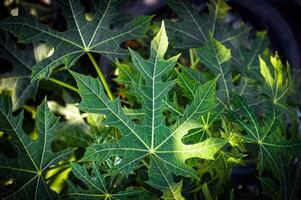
(191, 56)
(145, 163)
(194, 60)
(101, 76)
(63, 84)
(30, 109)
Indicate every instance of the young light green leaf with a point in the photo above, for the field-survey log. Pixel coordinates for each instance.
(279, 84)
(265, 72)
(152, 138)
(82, 35)
(27, 170)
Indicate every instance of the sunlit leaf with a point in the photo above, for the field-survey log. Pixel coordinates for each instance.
(152, 138)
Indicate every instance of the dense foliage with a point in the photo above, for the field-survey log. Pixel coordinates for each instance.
(205, 103)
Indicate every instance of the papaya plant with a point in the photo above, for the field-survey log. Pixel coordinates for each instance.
(195, 105)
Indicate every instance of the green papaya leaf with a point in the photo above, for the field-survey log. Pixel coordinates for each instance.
(193, 29)
(189, 79)
(152, 138)
(97, 186)
(278, 82)
(82, 35)
(264, 135)
(27, 169)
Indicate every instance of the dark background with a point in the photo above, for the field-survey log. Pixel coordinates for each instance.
(282, 18)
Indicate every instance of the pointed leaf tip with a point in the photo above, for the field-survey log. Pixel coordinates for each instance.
(265, 72)
(159, 44)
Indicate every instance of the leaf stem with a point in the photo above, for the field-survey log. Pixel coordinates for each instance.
(194, 60)
(31, 110)
(63, 84)
(145, 163)
(101, 76)
(191, 56)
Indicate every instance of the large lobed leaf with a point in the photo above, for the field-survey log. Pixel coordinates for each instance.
(152, 138)
(33, 158)
(83, 35)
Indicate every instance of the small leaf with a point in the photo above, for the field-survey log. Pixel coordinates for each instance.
(265, 72)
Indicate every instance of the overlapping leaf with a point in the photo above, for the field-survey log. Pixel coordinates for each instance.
(97, 186)
(152, 138)
(162, 180)
(130, 79)
(216, 57)
(231, 65)
(271, 145)
(189, 79)
(17, 81)
(244, 61)
(27, 170)
(192, 29)
(83, 35)
(289, 182)
(216, 38)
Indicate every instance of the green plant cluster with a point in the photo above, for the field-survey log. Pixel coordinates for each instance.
(203, 100)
